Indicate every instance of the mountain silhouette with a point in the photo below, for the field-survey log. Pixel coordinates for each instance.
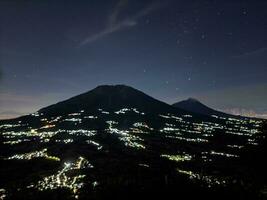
(110, 98)
(195, 106)
(116, 139)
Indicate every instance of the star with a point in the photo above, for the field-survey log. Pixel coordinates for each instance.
(203, 36)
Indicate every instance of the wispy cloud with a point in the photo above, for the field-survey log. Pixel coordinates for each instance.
(113, 17)
(114, 24)
(256, 52)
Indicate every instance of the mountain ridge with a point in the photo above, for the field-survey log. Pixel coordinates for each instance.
(115, 97)
(195, 106)
(110, 98)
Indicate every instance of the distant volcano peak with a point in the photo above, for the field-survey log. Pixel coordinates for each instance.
(195, 106)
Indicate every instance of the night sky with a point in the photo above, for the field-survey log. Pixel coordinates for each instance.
(212, 50)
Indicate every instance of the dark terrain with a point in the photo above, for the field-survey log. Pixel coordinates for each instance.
(117, 142)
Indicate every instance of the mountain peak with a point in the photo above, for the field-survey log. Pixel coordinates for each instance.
(194, 105)
(193, 100)
(106, 87)
(113, 88)
(110, 98)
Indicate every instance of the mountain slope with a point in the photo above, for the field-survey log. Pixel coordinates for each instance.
(116, 138)
(195, 106)
(109, 98)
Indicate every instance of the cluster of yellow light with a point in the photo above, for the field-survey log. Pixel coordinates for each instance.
(142, 125)
(205, 158)
(187, 116)
(143, 165)
(128, 139)
(235, 146)
(74, 114)
(35, 154)
(209, 180)
(65, 141)
(171, 116)
(103, 112)
(62, 179)
(252, 141)
(171, 129)
(13, 134)
(137, 130)
(178, 158)
(131, 141)
(73, 120)
(187, 139)
(165, 116)
(124, 110)
(99, 147)
(48, 126)
(53, 120)
(205, 130)
(138, 112)
(2, 194)
(5, 126)
(185, 127)
(90, 117)
(44, 136)
(13, 142)
(47, 134)
(80, 132)
(95, 183)
(224, 154)
(36, 114)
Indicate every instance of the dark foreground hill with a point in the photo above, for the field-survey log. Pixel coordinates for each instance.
(115, 141)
